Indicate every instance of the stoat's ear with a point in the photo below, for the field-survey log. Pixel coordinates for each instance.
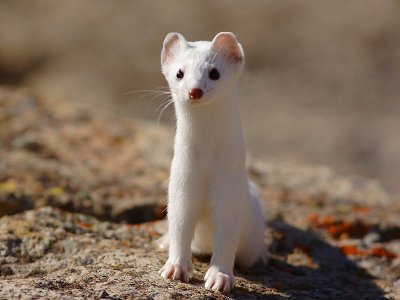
(227, 44)
(173, 43)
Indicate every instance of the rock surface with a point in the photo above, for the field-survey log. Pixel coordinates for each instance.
(79, 161)
(77, 188)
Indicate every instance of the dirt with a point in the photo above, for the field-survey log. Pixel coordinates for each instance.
(82, 202)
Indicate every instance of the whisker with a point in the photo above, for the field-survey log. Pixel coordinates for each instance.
(163, 110)
(154, 95)
(157, 89)
(163, 102)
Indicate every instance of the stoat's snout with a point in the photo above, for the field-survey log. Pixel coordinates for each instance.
(195, 94)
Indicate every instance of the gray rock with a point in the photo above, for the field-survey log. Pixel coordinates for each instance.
(6, 270)
(101, 260)
(118, 170)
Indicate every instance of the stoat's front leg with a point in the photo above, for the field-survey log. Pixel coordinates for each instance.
(184, 196)
(225, 197)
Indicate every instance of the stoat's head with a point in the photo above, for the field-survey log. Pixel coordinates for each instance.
(201, 72)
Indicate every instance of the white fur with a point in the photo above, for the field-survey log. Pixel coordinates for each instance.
(211, 207)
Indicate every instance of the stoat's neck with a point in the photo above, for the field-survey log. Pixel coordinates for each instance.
(216, 124)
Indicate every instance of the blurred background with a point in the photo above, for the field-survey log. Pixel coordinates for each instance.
(321, 86)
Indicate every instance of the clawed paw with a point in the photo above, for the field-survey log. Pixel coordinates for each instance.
(218, 281)
(175, 272)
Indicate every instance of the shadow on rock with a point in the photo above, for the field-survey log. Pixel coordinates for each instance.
(303, 266)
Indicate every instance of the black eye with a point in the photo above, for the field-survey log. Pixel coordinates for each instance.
(180, 74)
(213, 74)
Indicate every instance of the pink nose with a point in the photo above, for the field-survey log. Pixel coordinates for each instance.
(195, 94)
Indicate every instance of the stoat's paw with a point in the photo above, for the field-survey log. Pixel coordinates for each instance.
(171, 271)
(218, 281)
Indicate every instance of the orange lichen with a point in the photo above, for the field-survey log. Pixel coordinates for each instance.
(360, 209)
(350, 250)
(313, 219)
(379, 251)
(327, 221)
(85, 225)
(338, 228)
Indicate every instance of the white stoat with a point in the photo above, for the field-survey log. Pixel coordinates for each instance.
(211, 207)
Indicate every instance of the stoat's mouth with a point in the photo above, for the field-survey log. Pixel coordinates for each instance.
(195, 101)
(199, 102)
(205, 99)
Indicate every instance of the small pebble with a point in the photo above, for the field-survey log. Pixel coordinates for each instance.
(371, 238)
(27, 142)
(103, 295)
(6, 271)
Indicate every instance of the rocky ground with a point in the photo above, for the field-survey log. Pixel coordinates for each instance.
(82, 200)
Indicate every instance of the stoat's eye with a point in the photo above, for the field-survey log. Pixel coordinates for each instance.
(180, 74)
(213, 74)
